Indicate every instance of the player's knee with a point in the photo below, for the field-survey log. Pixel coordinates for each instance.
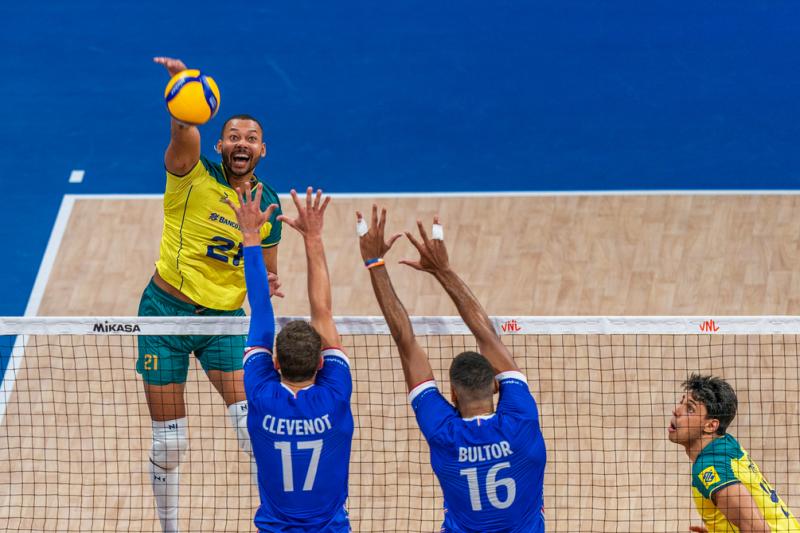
(170, 443)
(237, 412)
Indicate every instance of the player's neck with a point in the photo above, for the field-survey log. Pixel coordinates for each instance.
(239, 181)
(476, 409)
(297, 386)
(693, 449)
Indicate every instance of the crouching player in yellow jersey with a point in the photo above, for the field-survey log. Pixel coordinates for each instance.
(200, 272)
(729, 491)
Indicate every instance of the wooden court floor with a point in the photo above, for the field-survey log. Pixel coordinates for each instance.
(77, 426)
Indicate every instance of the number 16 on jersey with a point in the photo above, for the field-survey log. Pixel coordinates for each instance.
(491, 486)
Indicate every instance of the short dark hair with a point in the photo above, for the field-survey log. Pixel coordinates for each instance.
(298, 348)
(472, 376)
(243, 116)
(717, 395)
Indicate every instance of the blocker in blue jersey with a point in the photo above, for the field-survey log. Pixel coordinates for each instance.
(299, 413)
(489, 462)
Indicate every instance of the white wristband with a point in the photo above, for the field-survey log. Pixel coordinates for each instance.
(361, 227)
(437, 232)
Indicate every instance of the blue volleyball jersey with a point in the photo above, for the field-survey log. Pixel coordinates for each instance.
(490, 468)
(301, 443)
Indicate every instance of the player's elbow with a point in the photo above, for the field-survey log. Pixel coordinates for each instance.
(178, 166)
(761, 526)
(320, 312)
(407, 346)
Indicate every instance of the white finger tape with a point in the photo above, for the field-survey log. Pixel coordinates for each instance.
(361, 227)
(437, 232)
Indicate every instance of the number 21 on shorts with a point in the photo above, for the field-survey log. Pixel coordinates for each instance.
(150, 361)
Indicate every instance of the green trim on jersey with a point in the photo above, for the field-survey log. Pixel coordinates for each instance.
(215, 170)
(268, 196)
(712, 470)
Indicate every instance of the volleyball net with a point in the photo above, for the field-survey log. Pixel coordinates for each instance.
(75, 432)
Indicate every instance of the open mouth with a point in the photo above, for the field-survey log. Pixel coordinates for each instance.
(240, 158)
(672, 427)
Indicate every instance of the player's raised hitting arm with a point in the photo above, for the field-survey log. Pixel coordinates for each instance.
(251, 218)
(183, 151)
(434, 260)
(416, 367)
(309, 223)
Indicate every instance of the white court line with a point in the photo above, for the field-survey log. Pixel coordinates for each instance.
(518, 194)
(35, 299)
(76, 176)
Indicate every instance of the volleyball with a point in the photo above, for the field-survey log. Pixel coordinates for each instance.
(192, 97)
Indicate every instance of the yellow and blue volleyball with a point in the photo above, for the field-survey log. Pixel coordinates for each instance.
(192, 97)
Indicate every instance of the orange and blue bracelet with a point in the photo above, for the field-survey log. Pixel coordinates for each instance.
(372, 263)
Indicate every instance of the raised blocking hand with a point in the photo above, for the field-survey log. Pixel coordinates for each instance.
(432, 251)
(371, 239)
(251, 218)
(311, 216)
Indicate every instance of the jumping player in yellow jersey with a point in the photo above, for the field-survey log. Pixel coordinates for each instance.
(729, 491)
(200, 272)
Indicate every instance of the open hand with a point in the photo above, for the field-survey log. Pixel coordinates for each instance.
(310, 216)
(432, 251)
(274, 285)
(372, 243)
(249, 214)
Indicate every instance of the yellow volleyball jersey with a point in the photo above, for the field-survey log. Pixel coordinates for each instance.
(201, 249)
(722, 463)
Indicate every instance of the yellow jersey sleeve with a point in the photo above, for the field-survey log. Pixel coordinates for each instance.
(201, 253)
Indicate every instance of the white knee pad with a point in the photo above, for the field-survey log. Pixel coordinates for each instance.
(237, 412)
(170, 443)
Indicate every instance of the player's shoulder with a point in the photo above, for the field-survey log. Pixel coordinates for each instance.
(423, 391)
(213, 170)
(515, 395)
(512, 377)
(203, 171)
(716, 453)
(336, 356)
(724, 448)
(259, 354)
(268, 194)
(712, 469)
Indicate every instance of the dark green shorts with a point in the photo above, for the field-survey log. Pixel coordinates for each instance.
(165, 359)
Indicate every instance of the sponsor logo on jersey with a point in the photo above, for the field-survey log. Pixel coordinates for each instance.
(216, 217)
(709, 476)
(110, 327)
